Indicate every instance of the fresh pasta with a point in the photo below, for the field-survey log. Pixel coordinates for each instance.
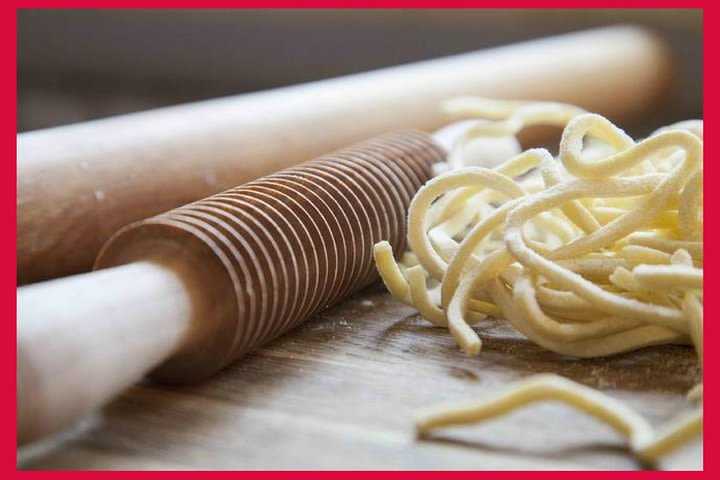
(592, 252)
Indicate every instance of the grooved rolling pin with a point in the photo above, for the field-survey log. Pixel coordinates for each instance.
(185, 293)
(78, 184)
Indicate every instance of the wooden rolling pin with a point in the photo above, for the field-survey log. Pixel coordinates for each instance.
(77, 184)
(185, 293)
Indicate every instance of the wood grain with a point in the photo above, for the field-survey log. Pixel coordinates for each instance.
(340, 392)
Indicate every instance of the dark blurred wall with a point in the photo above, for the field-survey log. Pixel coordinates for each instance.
(80, 64)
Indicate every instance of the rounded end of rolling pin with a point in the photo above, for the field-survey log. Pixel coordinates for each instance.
(205, 277)
(263, 257)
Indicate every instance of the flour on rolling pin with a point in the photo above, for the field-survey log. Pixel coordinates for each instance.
(78, 184)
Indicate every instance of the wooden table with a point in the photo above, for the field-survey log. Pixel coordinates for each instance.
(340, 392)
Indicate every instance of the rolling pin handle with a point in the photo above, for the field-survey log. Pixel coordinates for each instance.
(75, 339)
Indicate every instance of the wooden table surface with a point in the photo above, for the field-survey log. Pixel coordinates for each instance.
(341, 390)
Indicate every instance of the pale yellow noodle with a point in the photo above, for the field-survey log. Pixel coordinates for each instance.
(594, 253)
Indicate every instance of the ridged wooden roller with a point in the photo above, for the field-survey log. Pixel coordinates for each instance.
(193, 289)
(276, 251)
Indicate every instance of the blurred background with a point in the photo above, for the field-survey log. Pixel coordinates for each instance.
(76, 65)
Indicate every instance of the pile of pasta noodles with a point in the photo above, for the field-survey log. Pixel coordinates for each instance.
(593, 252)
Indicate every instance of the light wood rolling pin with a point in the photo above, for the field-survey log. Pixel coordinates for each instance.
(185, 293)
(78, 184)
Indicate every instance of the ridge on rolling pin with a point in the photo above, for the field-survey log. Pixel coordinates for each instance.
(185, 293)
(78, 184)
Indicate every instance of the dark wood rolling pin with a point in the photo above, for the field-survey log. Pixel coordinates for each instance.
(78, 184)
(183, 294)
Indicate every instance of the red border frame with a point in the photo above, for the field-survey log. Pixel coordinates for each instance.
(8, 224)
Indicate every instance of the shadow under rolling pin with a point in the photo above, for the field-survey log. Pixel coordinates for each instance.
(185, 293)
